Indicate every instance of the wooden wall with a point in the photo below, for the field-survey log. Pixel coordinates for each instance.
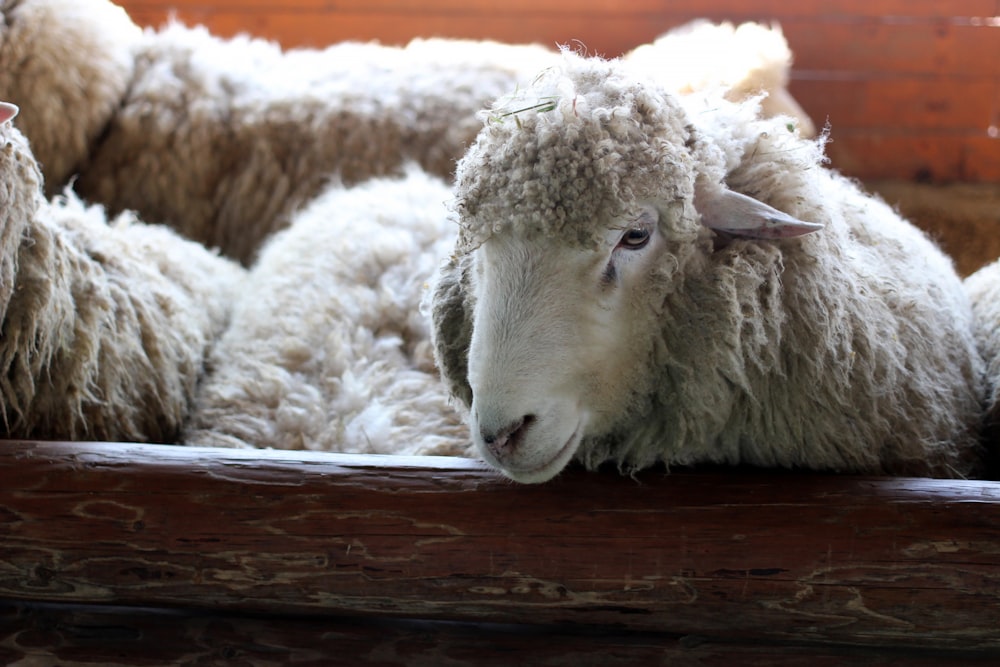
(911, 87)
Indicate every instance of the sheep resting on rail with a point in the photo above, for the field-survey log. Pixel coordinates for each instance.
(227, 140)
(644, 278)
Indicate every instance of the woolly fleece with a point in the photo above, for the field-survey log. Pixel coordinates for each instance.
(104, 327)
(327, 349)
(847, 350)
(224, 139)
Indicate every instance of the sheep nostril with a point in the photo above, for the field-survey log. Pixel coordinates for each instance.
(506, 440)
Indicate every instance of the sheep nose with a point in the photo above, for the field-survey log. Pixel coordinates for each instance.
(503, 442)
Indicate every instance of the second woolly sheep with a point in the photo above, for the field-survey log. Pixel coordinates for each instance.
(104, 326)
(231, 136)
(223, 139)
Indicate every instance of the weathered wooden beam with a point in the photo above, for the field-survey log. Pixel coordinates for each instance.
(85, 636)
(747, 556)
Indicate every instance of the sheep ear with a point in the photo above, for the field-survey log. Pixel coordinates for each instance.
(451, 324)
(736, 214)
(7, 111)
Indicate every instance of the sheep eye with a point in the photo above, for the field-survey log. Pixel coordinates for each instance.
(634, 238)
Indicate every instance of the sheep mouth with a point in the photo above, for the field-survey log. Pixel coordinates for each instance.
(552, 466)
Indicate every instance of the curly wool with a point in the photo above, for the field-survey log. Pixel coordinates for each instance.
(104, 327)
(233, 135)
(558, 154)
(847, 350)
(327, 349)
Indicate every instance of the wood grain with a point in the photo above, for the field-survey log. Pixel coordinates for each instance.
(745, 556)
(84, 636)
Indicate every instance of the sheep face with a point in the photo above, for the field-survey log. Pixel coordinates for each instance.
(557, 338)
(572, 223)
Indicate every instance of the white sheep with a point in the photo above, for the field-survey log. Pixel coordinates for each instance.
(983, 287)
(327, 349)
(639, 282)
(104, 326)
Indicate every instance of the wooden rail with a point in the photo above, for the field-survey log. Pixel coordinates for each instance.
(729, 556)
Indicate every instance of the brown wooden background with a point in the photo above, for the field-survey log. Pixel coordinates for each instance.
(911, 87)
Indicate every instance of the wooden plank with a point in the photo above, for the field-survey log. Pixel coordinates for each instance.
(824, 49)
(781, 558)
(925, 157)
(82, 636)
(897, 106)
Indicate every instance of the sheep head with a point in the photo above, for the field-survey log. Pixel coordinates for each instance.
(581, 205)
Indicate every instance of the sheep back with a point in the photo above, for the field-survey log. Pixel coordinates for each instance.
(234, 135)
(741, 61)
(67, 63)
(328, 349)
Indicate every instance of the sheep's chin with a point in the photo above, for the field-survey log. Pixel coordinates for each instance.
(555, 465)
